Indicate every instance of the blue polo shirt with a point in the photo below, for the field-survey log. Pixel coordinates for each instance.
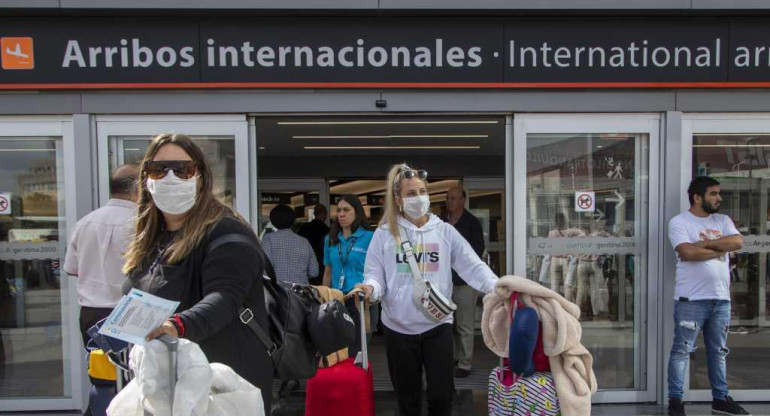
(352, 251)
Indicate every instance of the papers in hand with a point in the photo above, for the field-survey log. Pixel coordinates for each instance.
(137, 314)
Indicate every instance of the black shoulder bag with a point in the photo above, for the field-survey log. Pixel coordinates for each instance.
(288, 342)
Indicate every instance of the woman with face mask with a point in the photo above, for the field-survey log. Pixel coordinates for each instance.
(344, 254)
(190, 247)
(414, 337)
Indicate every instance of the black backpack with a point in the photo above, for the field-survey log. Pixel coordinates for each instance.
(288, 342)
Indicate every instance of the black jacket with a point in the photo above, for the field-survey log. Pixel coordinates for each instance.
(315, 231)
(469, 227)
(210, 288)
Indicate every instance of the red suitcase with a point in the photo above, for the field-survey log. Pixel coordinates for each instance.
(344, 389)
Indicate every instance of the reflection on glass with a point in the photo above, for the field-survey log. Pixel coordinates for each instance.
(489, 208)
(741, 163)
(219, 152)
(31, 244)
(302, 203)
(585, 233)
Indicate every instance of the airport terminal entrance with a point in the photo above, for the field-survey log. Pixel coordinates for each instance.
(303, 161)
(521, 174)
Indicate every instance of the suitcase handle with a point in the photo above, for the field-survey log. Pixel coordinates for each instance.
(172, 344)
(362, 317)
(173, 347)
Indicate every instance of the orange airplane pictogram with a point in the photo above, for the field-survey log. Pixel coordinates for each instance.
(17, 53)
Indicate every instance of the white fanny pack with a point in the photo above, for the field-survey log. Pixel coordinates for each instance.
(435, 305)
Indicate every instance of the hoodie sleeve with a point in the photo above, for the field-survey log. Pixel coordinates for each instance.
(374, 266)
(467, 263)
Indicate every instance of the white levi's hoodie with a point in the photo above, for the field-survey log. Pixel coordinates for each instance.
(438, 248)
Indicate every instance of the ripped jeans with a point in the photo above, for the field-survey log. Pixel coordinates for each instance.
(690, 317)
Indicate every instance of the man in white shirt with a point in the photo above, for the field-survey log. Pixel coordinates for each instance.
(96, 247)
(702, 240)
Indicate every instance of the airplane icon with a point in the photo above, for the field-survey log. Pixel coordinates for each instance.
(17, 53)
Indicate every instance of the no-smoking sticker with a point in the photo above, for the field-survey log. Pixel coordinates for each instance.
(585, 201)
(5, 204)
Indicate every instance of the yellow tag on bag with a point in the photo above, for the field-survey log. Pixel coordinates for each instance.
(100, 367)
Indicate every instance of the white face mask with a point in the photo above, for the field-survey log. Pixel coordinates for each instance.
(417, 206)
(173, 195)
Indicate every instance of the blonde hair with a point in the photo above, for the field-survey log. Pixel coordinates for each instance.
(392, 210)
(206, 212)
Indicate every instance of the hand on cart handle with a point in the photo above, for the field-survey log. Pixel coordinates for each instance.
(166, 329)
(368, 289)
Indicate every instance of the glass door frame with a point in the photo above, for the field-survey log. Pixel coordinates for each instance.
(214, 125)
(471, 184)
(739, 123)
(74, 377)
(649, 124)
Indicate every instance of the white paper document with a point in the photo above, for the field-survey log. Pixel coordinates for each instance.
(136, 315)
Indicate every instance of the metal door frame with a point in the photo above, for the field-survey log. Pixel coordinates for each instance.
(738, 123)
(649, 124)
(74, 379)
(214, 125)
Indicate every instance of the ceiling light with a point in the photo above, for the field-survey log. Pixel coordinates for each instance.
(400, 136)
(340, 137)
(387, 147)
(731, 134)
(27, 150)
(731, 145)
(333, 123)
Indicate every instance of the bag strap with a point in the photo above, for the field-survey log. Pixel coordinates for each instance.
(242, 238)
(406, 247)
(245, 314)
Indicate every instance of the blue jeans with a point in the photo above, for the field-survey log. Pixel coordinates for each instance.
(713, 317)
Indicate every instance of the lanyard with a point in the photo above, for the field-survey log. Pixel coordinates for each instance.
(344, 261)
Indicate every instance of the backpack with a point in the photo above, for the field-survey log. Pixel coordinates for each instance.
(287, 341)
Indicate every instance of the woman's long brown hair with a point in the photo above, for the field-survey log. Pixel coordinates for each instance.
(199, 220)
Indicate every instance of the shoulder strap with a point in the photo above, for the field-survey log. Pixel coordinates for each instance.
(229, 238)
(245, 314)
(406, 247)
(242, 238)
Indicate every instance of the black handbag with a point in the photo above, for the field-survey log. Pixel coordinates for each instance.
(331, 327)
(289, 345)
(288, 341)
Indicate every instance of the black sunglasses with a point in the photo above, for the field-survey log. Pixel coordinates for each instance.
(183, 169)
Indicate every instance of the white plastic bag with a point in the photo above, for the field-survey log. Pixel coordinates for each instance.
(202, 389)
(232, 395)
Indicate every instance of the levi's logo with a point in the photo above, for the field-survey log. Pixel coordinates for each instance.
(17, 53)
(429, 258)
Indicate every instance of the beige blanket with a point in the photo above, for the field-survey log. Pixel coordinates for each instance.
(571, 363)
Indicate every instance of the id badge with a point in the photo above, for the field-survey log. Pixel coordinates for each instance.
(342, 280)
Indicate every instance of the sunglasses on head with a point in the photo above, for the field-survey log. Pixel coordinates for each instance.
(183, 169)
(411, 173)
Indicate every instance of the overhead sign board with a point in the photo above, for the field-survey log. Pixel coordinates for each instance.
(383, 53)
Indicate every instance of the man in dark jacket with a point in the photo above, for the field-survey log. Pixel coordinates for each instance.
(315, 231)
(463, 295)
